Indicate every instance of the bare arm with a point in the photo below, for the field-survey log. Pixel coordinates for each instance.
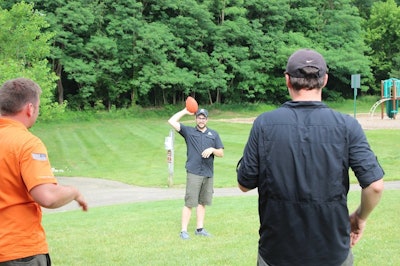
(174, 120)
(53, 196)
(370, 197)
(217, 152)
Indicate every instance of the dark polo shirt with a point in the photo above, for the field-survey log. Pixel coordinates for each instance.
(197, 142)
(299, 157)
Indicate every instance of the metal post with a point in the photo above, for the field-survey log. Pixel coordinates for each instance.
(394, 94)
(169, 146)
(355, 105)
(355, 84)
(382, 96)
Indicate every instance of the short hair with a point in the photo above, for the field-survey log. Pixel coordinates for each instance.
(310, 82)
(16, 93)
(307, 69)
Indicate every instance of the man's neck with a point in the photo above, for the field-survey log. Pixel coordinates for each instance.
(18, 118)
(202, 129)
(306, 95)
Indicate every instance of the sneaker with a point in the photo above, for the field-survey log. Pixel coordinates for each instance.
(203, 232)
(184, 235)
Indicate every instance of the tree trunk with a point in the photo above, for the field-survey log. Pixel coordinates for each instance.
(60, 88)
(133, 97)
(209, 97)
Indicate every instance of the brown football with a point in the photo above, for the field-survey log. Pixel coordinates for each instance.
(191, 104)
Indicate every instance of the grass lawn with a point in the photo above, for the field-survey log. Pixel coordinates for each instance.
(148, 234)
(131, 150)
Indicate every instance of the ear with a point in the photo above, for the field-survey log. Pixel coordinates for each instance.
(288, 84)
(29, 109)
(325, 80)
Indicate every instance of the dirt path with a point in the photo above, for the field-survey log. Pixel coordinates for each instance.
(102, 192)
(376, 122)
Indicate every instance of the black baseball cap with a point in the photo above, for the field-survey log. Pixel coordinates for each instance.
(202, 112)
(306, 58)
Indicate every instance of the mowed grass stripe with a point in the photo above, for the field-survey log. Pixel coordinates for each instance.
(65, 145)
(59, 157)
(148, 159)
(85, 145)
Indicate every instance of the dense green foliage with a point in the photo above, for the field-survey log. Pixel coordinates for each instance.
(383, 34)
(114, 54)
(24, 48)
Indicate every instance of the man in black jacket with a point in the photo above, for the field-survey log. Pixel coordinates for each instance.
(298, 156)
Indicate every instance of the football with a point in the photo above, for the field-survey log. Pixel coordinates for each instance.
(191, 104)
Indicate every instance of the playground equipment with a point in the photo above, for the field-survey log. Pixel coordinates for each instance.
(390, 95)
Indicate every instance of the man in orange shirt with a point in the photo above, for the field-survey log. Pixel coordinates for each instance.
(26, 178)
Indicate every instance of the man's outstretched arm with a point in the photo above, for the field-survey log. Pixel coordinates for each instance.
(174, 120)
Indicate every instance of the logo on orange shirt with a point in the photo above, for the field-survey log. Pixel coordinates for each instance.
(39, 156)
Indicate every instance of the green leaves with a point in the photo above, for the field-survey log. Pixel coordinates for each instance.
(121, 53)
(383, 35)
(24, 48)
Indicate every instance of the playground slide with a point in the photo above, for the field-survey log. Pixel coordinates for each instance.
(392, 104)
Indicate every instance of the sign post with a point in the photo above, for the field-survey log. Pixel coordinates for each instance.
(355, 84)
(169, 146)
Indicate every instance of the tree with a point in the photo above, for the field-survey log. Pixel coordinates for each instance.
(122, 24)
(191, 28)
(24, 48)
(383, 35)
(268, 48)
(334, 29)
(157, 50)
(343, 38)
(364, 7)
(93, 50)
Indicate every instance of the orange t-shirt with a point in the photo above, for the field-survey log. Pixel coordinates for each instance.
(24, 164)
